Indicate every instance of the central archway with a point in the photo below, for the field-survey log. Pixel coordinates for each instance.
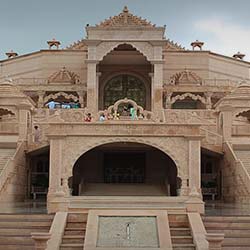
(125, 168)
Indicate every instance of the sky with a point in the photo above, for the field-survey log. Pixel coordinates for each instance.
(224, 25)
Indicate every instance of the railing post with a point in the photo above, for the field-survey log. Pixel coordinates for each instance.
(40, 240)
(214, 241)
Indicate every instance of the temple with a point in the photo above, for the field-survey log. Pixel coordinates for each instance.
(125, 123)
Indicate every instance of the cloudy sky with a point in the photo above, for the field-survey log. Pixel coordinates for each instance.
(224, 25)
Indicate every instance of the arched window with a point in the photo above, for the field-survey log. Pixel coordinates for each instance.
(123, 86)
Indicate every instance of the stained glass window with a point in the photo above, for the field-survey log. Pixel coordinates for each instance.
(123, 86)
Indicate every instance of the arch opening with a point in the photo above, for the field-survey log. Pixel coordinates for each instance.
(125, 73)
(125, 169)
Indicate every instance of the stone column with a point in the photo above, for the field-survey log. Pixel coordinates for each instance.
(55, 175)
(92, 87)
(194, 164)
(157, 89)
(41, 94)
(184, 186)
(81, 98)
(194, 203)
(24, 116)
(208, 100)
(226, 112)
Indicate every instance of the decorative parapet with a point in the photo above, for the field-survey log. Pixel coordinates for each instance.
(126, 109)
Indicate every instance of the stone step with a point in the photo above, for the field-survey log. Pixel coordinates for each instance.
(75, 239)
(179, 224)
(235, 248)
(180, 231)
(77, 217)
(236, 241)
(18, 232)
(74, 231)
(19, 240)
(24, 217)
(182, 239)
(71, 247)
(226, 219)
(227, 225)
(17, 247)
(24, 224)
(183, 246)
(236, 233)
(78, 225)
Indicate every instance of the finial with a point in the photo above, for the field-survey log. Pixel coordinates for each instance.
(198, 44)
(11, 54)
(53, 42)
(125, 9)
(239, 55)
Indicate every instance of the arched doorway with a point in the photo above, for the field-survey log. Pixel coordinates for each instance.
(125, 168)
(125, 72)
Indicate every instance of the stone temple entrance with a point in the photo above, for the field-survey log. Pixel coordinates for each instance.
(126, 169)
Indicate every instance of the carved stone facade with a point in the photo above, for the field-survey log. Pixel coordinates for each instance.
(194, 108)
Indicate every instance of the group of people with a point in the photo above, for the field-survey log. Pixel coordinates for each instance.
(52, 105)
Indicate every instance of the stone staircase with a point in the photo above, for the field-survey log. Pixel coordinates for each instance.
(244, 156)
(180, 232)
(235, 228)
(5, 155)
(74, 232)
(15, 230)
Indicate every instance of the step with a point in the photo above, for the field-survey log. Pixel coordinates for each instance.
(76, 231)
(77, 217)
(236, 233)
(24, 224)
(71, 247)
(226, 219)
(17, 247)
(227, 225)
(24, 217)
(237, 241)
(179, 224)
(75, 239)
(78, 225)
(183, 246)
(235, 248)
(19, 240)
(180, 231)
(18, 232)
(182, 239)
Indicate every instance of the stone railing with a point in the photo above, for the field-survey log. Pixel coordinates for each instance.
(16, 160)
(125, 109)
(237, 165)
(219, 82)
(211, 138)
(241, 130)
(31, 81)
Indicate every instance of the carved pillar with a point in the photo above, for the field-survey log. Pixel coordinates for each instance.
(55, 178)
(168, 99)
(24, 113)
(184, 186)
(81, 95)
(194, 163)
(92, 87)
(40, 103)
(227, 113)
(208, 100)
(157, 89)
